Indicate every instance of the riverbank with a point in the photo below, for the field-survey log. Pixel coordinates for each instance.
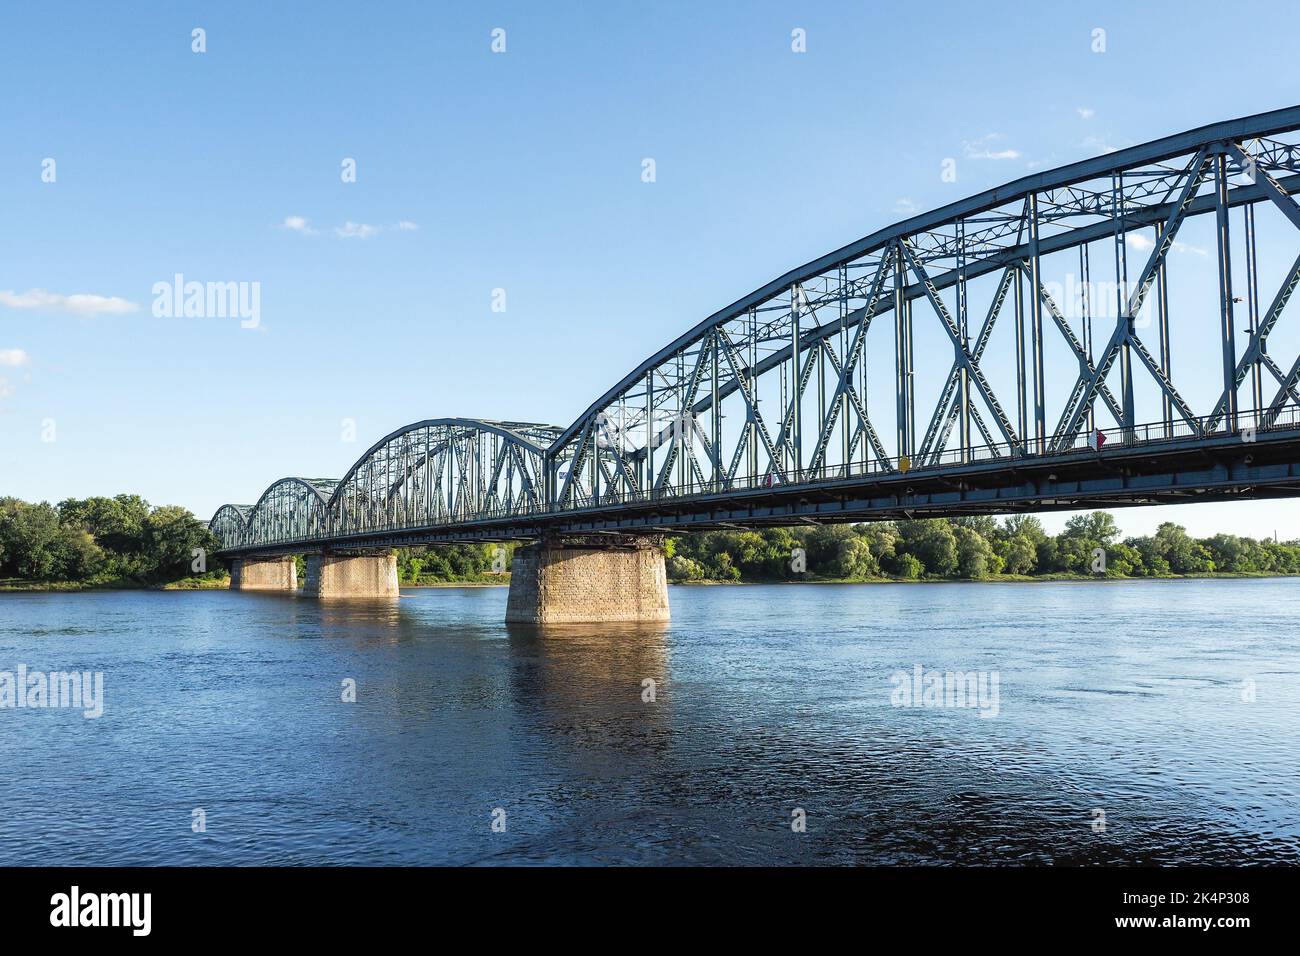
(184, 584)
(209, 584)
(998, 579)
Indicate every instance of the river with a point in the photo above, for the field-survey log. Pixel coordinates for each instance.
(1120, 722)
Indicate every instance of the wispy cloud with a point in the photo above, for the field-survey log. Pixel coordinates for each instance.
(1086, 112)
(298, 224)
(10, 358)
(983, 148)
(80, 303)
(349, 230)
(1098, 144)
(1144, 243)
(355, 230)
(905, 207)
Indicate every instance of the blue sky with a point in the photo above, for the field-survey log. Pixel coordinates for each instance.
(519, 171)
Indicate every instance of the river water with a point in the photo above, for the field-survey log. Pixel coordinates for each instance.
(1121, 722)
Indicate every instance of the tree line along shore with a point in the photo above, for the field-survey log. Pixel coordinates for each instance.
(123, 542)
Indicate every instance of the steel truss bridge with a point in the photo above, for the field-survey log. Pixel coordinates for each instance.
(799, 402)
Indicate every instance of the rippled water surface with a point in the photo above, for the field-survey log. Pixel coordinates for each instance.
(1125, 697)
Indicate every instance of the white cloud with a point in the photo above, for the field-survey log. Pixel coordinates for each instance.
(13, 357)
(982, 148)
(299, 224)
(349, 230)
(1144, 243)
(905, 207)
(1086, 112)
(5, 389)
(355, 230)
(1098, 144)
(80, 303)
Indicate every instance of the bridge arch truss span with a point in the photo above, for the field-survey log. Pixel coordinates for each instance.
(437, 471)
(942, 340)
(230, 525)
(443, 471)
(289, 510)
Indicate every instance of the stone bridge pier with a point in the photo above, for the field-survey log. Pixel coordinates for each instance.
(329, 574)
(333, 574)
(278, 573)
(579, 580)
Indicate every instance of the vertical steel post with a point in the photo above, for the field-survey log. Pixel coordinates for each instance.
(1162, 318)
(1121, 298)
(902, 356)
(1085, 302)
(650, 431)
(1036, 328)
(964, 339)
(1228, 342)
(820, 358)
(752, 375)
(796, 393)
(1252, 306)
(1022, 402)
(862, 385)
(843, 410)
(717, 412)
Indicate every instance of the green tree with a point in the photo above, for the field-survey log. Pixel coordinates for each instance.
(117, 523)
(1019, 556)
(986, 526)
(907, 566)
(30, 538)
(882, 538)
(1024, 526)
(170, 536)
(975, 556)
(1184, 554)
(1084, 534)
(1152, 561)
(684, 569)
(931, 542)
(1123, 560)
(826, 545)
(80, 556)
(1095, 526)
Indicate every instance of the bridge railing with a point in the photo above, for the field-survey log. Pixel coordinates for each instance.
(1247, 424)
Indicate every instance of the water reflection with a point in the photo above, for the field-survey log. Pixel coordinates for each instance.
(597, 692)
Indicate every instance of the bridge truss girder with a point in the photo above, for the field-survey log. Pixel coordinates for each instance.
(773, 394)
(773, 390)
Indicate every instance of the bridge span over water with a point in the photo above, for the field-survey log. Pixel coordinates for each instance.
(1094, 335)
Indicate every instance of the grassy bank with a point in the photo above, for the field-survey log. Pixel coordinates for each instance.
(115, 584)
(992, 579)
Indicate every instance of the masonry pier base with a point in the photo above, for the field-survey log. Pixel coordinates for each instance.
(334, 575)
(588, 580)
(264, 574)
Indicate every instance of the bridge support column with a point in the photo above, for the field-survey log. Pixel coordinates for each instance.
(264, 574)
(554, 582)
(332, 575)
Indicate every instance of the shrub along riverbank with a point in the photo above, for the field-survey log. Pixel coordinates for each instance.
(978, 548)
(124, 542)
